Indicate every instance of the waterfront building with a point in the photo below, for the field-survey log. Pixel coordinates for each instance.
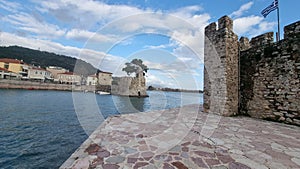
(55, 70)
(69, 78)
(6, 74)
(3, 73)
(105, 78)
(39, 74)
(92, 80)
(13, 65)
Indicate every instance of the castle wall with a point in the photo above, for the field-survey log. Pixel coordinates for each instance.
(221, 68)
(129, 86)
(258, 78)
(270, 75)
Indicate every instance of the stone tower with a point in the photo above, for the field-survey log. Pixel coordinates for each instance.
(221, 68)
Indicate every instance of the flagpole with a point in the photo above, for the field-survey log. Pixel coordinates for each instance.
(278, 38)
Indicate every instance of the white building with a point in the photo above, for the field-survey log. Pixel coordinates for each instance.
(69, 78)
(92, 80)
(4, 73)
(39, 74)
(55, 71)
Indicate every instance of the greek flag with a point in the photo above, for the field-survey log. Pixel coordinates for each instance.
(270, 8)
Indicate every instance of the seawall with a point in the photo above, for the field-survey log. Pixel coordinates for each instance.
(18, 84)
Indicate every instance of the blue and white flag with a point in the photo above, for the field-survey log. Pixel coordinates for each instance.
(270, 8)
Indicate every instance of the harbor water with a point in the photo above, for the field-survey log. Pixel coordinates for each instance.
(41, 129)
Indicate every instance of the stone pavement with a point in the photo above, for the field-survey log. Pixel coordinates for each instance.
(187, 138)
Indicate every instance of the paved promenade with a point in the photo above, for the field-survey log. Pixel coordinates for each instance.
(187, 138)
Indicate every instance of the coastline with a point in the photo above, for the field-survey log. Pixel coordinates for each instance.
(29, 85)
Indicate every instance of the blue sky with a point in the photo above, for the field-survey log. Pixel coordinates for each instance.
(167, 35)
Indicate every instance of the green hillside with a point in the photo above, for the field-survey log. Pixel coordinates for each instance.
(44, 59)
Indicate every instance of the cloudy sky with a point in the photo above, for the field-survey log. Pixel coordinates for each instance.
(167, 35)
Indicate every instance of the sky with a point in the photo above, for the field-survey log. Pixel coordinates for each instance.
(167, 35)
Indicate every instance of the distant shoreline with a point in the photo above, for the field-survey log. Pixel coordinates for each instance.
(174, 90)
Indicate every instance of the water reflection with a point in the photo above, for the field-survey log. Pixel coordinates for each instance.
(126, 104)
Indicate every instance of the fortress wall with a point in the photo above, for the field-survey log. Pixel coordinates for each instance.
(258, 78)
(221, 65)
(129, 86)
(270, 75)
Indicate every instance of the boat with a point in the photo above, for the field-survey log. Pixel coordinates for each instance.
(103, 93)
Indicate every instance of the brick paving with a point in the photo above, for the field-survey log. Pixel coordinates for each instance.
(188, 138)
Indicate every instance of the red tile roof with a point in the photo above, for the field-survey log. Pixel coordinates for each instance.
(36, 68)
(7, 60)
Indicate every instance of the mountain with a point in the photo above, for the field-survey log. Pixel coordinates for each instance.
(44, 59)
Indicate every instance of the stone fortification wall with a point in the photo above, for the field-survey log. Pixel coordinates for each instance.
(258, 76)
(129, 86)
(221, 65)
(270, 75)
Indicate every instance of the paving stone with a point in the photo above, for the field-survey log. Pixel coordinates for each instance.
(179, 165)
(147, 154)
(103, 153)
(175, 149)
(212, 162)
(185, 149)
(204, 154)
(236, 165)
(199, 162)
(81, 163)
(140, 164)
(129, 150)
(246, 147)
(96, 162)
(224, 158)
(184, 155)
(219, 167)
(110, 166)
(150, 166)
(115, 159)
(167, 166)
(296, 160)
(186, 143)
(132, 160)
(92, 149)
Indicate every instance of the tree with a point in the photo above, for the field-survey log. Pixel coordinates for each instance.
(135, 66)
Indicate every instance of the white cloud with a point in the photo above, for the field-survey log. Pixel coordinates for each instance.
(85, 13)
(244, 24)
(242, 10)
(29, 23)
(84, 35)
(98, 59)
(252, 26)
(171, 44)
(159, 80)
(249, 26)
(10, 6)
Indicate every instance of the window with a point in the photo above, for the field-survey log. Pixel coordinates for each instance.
(6, 65)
